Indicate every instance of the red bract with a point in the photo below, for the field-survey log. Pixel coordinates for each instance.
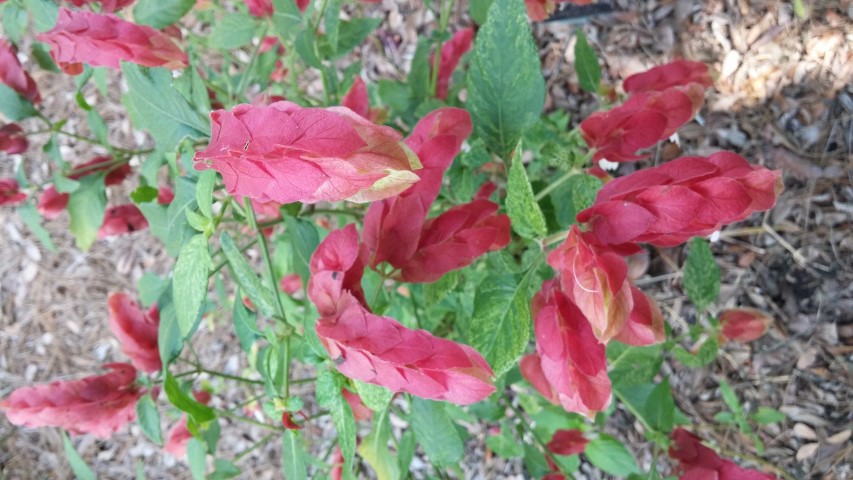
(286, 153)
(456, 238)
(698, 462)
(98, 405)
(180, 435)
(262, 8)
(13, 74)
(10, 193)
(106, 40)
(572, 360)
(356, 99)
(359, 409)
(121, 220)
(645, 325)
(136, 331)
(165, 195)
(596, 280)
(107, 6)
(12, 139)
(687, 197)
(392, 227)
(288, 422)
(568, 442)
(674, 74)
(290, 284)
(744, 324)
(451, 53)
(52, 203)
(380, 350)
(645, 119)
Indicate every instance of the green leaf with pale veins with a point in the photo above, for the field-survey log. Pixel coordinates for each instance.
(506, 91)
(701, 274)
(293, 453)
(524, 213)
(376, 397)
(14, 106)
(154, 105)
(329, 396)
(586, 64)
(161, 13)
(232, 31)
(148, 419)
(261, 296)
(32, 219)
(86, 207)
(435, 432)
(190, 281)
(608, 454)
(374, 448)
(500, 325)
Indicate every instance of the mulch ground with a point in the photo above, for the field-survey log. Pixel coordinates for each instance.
(783, 98)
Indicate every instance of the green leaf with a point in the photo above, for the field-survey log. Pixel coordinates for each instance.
(14, 106)
(586, 64)
(259, 294)
(633, 365)
(419, 73)
(306, 47)
(64, 184)
(352, 33)
(701, 274)
(144, 194)
(232, 31)
(223, 469)
(436, 291)
(42, 55)
(376, 397)
(406, 452)
(374, 448)
(190, 282)
(435, 432)
(535, 462)
(332, 22)
(525, 214)
(706, 354)
(14, 21)
(504, 444)
(157, 107)
(286, 18)
(767, 416)
(576, 194)
(198, 412)
(726, 418)
(245, 324)
(196, 457)
(329, 396)
(150, 286)
(499, 328)
(303, 238)
(204, 192)
(161, 13)
(86, 207)
(44, 12)
(506, 91)
(78, 465)
(660, 407)
(608, 454)
(148, 419)
(169, 338)
(293, 456)
(177, 230)
(479, 9)
(32, 219)
(97, 126)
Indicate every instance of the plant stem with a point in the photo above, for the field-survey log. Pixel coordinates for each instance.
(252, 421)
(253, 447)
(253, 223)
(555, 238)
(525, 424)
(225, 262)
(252, 59)
(553, 186)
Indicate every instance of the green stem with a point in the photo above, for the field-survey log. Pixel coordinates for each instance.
(200, 369)
(553, 186)
(525, 424)
(252, 60)
(252, 421)
(555, 238)
(444, 18)
(225, 262)
(252, 448)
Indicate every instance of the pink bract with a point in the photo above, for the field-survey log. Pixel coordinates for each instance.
(568, 442)
(744, 324)
(13, 75)
(687, 197)
(105, 40)
(99, 405)
(136, 331)
(121, 220)
(286, 153)
(12, 139)
(674, 74)
(698, 462)
(450, 55)
(10, 193)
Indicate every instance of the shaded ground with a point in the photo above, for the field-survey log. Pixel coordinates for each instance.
(783, 99)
